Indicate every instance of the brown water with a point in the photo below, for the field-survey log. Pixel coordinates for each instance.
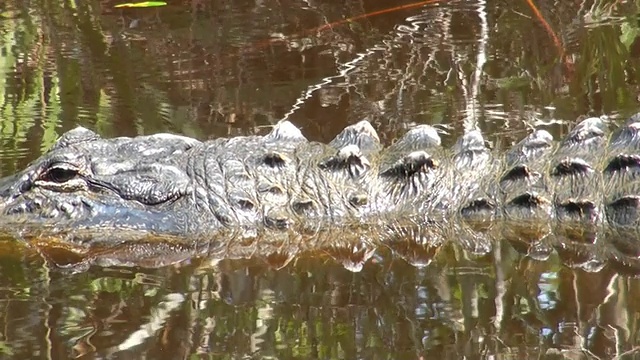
(208, 68)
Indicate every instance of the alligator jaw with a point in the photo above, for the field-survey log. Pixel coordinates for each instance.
(65, 212)
(23, 206)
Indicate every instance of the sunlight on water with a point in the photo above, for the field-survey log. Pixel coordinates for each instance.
(548, 289)
(207, 69)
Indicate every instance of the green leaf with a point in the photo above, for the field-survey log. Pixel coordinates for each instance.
(513, 82)
(144, 4)
(5, 349)
(628, 34)
(108, 284)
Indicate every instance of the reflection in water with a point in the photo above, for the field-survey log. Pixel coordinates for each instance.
(410, 292)
(208, 68)
(459, 305)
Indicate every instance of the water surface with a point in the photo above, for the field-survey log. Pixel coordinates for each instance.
(208, 68)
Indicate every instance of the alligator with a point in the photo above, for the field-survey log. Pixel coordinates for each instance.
(280, 188)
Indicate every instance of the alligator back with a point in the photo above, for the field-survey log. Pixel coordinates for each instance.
(284, 194)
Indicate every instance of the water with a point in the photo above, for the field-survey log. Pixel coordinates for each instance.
(208, 68)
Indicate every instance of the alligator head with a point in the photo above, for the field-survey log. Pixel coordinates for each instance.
(85, 181)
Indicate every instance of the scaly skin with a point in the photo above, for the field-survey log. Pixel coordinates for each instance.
(583, 188)
(174, 185)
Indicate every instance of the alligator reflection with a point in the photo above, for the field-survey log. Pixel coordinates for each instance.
(585, 246)
(441, 300)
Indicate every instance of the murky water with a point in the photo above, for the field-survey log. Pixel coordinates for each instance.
(208, 68)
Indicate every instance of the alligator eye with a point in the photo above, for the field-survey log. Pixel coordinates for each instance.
(60, 174)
